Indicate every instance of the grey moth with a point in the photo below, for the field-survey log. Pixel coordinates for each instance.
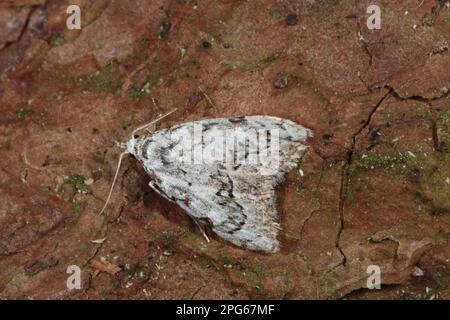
(223, 172)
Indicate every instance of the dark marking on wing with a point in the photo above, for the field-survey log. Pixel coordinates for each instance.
(237, 120)
(208, 125)
(230, 190)
(145, 148)
(246, 148)
(205, 221)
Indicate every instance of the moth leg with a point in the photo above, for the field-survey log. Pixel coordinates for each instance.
(156, 189)
(151, 128)
(201, 230)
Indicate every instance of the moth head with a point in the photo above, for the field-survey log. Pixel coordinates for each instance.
(130, 145)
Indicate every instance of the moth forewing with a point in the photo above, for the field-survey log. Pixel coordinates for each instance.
(225, 171)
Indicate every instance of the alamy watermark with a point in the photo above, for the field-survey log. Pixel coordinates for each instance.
(74, 280)
(374, 279)
(374, 20)
(203, 145)
(73, 22)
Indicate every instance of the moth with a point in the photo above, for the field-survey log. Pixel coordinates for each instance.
(223, 172)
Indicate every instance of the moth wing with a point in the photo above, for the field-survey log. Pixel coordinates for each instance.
(235, 194)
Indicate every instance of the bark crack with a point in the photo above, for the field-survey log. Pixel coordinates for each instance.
(318, 198)
(345, 176)
(419, 98)
(24, 27)
(430, 18)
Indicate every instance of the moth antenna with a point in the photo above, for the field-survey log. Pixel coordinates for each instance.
(114, 180)
(153, 122)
